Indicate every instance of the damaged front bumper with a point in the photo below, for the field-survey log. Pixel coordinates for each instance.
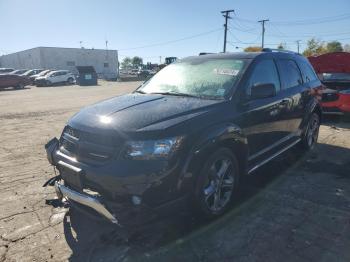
(121, 205)
(63, 191)
(84, 199)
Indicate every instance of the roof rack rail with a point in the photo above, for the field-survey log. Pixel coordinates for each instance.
(205, 53)
(278, 50)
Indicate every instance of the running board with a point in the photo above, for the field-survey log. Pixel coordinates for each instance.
(273, 156)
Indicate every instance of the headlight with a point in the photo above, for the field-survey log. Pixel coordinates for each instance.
(152, 149)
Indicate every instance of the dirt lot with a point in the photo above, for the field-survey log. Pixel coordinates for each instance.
(297, 208)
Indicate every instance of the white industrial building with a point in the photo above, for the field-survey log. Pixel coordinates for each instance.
(104, 61)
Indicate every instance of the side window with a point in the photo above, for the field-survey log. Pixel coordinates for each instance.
(307, 72)
(290, 73)
(265, 72)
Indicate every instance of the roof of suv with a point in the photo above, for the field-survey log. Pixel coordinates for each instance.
(244, 55)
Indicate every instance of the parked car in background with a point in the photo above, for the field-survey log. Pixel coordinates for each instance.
(133, 71)
(16, 81)
(18, 72)
(55, 77)
(42, 73)
(32, 72)
(334, 71)
(186, 135)
(6, 70)
(143, 73)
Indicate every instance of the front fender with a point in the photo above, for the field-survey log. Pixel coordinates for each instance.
(228, 135)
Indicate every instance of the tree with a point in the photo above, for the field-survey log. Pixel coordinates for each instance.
(347, 48)
(281, 46)
(126, 63)
(334, 46)
(136, 61)
(315, 47)
(252, 49)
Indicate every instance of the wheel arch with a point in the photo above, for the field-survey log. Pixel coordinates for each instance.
(229, 136)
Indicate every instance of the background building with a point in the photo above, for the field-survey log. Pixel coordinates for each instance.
(104, 61)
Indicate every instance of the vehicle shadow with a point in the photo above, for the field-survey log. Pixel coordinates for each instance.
(336, 121)
(92, 240)
(13, 89)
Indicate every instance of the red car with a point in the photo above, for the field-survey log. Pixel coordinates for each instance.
(333, 69)
(16, 81)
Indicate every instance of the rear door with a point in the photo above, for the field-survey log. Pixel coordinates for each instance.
(296, 92)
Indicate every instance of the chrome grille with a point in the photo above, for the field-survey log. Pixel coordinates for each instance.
(87, 147)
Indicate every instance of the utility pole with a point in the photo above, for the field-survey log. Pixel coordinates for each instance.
(226, 14)
(298, 44)
(263, 30)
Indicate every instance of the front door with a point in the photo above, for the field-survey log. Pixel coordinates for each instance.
(264, 120)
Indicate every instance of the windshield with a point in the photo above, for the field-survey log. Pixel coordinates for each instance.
(27, 72)
(203, 78)
(43, 72)
(336, 76)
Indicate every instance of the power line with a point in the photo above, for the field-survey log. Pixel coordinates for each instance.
(171, 41)
(242, 42)
(303, 22)
(281, 34)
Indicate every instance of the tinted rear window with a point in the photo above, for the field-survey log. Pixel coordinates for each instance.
(307, 72)
(290, 73)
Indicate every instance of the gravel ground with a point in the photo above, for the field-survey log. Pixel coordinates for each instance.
(296, 208)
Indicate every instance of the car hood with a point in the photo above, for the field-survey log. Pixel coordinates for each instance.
(140, 112)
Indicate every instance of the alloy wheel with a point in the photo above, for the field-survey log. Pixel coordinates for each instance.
(220, 183)
(313, 129)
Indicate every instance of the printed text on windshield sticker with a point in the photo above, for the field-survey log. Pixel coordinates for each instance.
(226, 71)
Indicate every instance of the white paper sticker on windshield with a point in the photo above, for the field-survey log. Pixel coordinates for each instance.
(226, 71)
(220, 91)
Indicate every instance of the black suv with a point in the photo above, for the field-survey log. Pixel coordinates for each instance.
(186, 135)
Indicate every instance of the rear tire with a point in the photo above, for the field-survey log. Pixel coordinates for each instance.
(217, 183)
(20, 86)
(70, 81)
(309, 138)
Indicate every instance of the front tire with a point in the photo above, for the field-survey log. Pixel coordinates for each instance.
(217, 183)
(309, 138)
(20, 86)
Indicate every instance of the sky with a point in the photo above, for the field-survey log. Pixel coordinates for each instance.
(159, 28)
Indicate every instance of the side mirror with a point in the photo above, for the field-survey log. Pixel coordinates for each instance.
(262, 91)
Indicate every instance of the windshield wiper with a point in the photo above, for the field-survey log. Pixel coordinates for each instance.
(174, 94)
